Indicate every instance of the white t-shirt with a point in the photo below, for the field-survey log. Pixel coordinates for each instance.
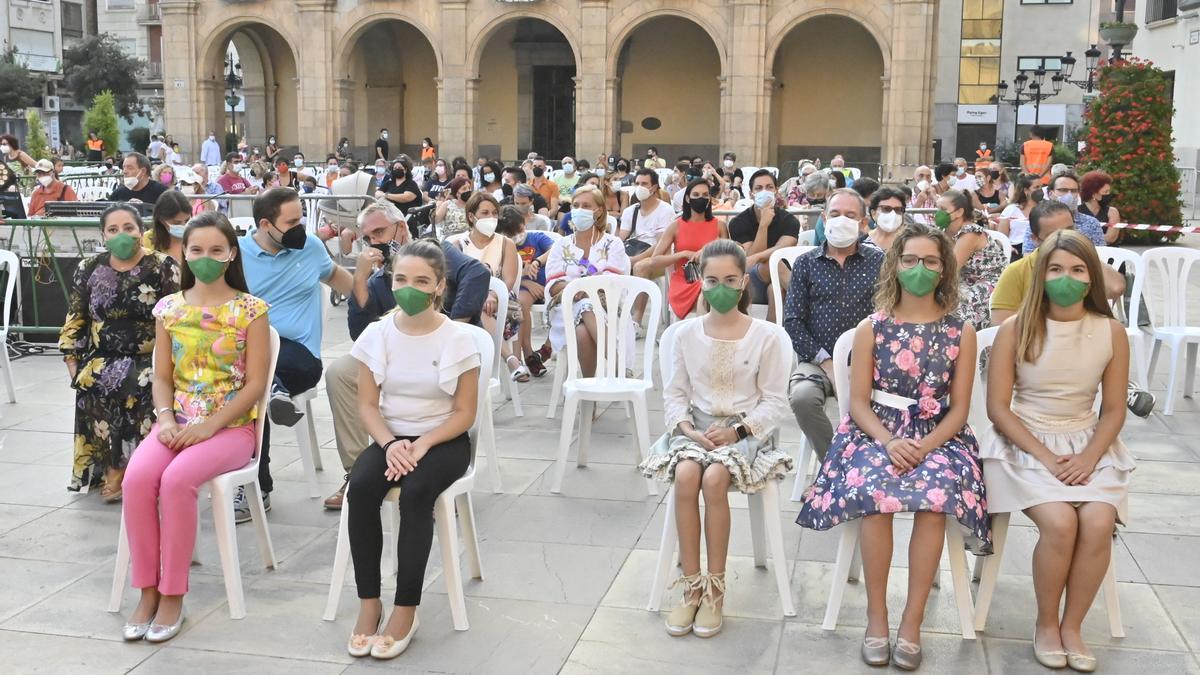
(677, 200)
(417, 374)
(967, 182)
(649, 226)
(1018, 224)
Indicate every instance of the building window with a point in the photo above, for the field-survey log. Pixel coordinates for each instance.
(72, 20)
(1161, 10)
(120, 4)
(979, 51)
(1050, 64)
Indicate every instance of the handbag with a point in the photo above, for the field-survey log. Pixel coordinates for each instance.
(635, 247)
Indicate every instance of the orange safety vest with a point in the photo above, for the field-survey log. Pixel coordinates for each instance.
(983, 159)
(97, 144)
(1037, 158)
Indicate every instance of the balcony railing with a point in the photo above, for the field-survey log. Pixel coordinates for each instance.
(153, 71)
(1160, 10)
(149, 13)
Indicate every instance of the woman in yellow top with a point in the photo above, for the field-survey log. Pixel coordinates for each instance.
(211, 358)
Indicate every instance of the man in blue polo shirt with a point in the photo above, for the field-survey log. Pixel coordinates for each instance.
(286, 266)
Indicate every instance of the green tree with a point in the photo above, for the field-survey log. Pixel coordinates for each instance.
(19, 88)
(138, 137)
(35, 136)
(1129, 137)
(102, 119)
(98, 63)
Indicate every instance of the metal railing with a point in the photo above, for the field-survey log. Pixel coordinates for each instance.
(149, 13)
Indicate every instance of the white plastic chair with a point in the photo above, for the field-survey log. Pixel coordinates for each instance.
(614, 354)
(1134, 265)
(455, 500)
(306, 429)
(774, 171)
(511, 390)
(92, 193)
(764, 506)
(664, 177)
(10, 262)
(848, 554)
(245, 223)
(221, 490)
(1004, 241)
(1173, 266)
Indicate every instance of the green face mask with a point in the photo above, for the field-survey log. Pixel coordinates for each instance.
(942, 220)
(722, 298)
(206, 269)
(412, 301)
(122, 246)
(1065, 291)
(918, 280)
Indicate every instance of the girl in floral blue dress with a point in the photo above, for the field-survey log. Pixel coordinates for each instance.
(906, 446)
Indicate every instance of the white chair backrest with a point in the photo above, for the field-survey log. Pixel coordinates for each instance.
(91, 193)
(855, 173)
(841, 371)
(457, 239)
(613, 354)
(977, 416)
(242, 223)
(261, 406)
(496, 285)
(774, 171)
(807, 238)
(1003, 239)
(1172, 266)
(554, 174)
(666, 349)
(487, 356)
(664, 177)
(788, 253)
(1135, 265)
(12, 264)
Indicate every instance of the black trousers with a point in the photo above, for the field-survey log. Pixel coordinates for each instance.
(297, 370)
(436, 471)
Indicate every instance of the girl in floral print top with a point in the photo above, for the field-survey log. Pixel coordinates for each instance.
(905, 445)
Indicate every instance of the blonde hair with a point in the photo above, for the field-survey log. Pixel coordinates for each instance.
(887, 287)
(1031, 318)
(598, 197)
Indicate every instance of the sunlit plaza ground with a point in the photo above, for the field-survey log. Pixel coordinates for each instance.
(566, 576)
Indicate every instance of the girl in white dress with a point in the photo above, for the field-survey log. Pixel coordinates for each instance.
(1052, 456)
(726, 395)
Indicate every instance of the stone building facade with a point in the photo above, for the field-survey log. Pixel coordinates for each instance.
(771, 80)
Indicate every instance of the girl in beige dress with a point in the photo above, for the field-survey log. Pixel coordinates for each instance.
(1052, 456)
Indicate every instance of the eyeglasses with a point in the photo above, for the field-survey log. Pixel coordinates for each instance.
(1066, 191)
(883, 208)
(710, 283)
(932, 262)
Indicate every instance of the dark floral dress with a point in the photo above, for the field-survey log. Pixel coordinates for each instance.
(914, 361)
(978, 278)
(109, 330)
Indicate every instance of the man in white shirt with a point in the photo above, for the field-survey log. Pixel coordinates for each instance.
(963, 180)
(644, 221)
(157, 151)
(210, 150)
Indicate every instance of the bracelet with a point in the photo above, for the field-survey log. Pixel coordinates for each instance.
(164, 409)
(888, 442)
(389, 444)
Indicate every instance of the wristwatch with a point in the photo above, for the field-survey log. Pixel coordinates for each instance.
(742, 432)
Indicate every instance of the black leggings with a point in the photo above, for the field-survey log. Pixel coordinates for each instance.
(436, 471)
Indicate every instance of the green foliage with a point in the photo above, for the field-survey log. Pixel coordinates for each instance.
(98, 63)
(1063, 154)
(1009, 154)
(138, 137)
(35, 136)
(18, 86)
(102, 119)
(1129, 137)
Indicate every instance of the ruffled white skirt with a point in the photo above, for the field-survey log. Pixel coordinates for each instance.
(751, 462)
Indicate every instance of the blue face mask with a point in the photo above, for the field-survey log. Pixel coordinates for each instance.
(176, 231)
(582, 219)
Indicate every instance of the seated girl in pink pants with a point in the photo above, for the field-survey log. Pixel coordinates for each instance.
(210, 360)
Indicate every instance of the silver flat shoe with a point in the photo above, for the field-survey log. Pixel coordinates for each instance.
(132, 632)
(1081, 663)
(906, 655)
(876, 651)
(161, 633)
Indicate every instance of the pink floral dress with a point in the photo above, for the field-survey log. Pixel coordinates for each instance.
(916, 362)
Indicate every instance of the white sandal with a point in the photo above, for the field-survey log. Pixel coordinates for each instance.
(520, 373)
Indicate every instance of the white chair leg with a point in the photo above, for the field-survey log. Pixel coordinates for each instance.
(560, 374)
(846, 550)
(466, 516)
(757, 520)
(391, 528)
(956, 548)
(1172, 378)
(977, 571)
(1112, 603)
(341, 558)
(486, 441)
(1137, 345)
(666, 552)
(1189, 375)
(641, 425)
(514, 395)
(991, 570)
(310, 421)
(1153, 360)
(802, 461)
(308, 455)
(222, 507)
(8, 376)
(570, 407)
(856, 566)
(451, 568)
(770, 514)
(120, 570)
(587, 411)
(259, 515)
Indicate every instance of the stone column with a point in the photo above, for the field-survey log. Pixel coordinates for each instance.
(594, 100)
(315, 74)
(908, 94)
(343, 109)
(182, 103)
(744, 110)
(456, 93)
(612, 104)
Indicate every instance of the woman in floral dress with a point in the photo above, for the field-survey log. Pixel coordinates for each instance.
(905, 446)
(107, 342)
(981, 259)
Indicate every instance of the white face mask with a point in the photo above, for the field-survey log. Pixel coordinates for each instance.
(582, 219)
(45, 181)
(130, 182)
(642, 193)
(960, 170)
(922, 185)
(486, 226)
(600, 171)
(763, 199)
(568, 167)
(728, 163)
(841, 231)
(889, 222)
(383, 135)
(298, 162)
(5, 149)
(489, 177)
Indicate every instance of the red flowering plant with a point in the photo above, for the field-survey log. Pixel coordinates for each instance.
(1129, 137)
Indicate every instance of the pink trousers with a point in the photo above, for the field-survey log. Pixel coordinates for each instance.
(161, 480)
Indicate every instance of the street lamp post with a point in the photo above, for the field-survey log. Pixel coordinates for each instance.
(233, 80)
(1027, 91)
(1091, 58)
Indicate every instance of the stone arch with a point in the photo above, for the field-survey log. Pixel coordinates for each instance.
(351, 34)
(866, 14)
(270, 91)
(550, 13)
(623, 31)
